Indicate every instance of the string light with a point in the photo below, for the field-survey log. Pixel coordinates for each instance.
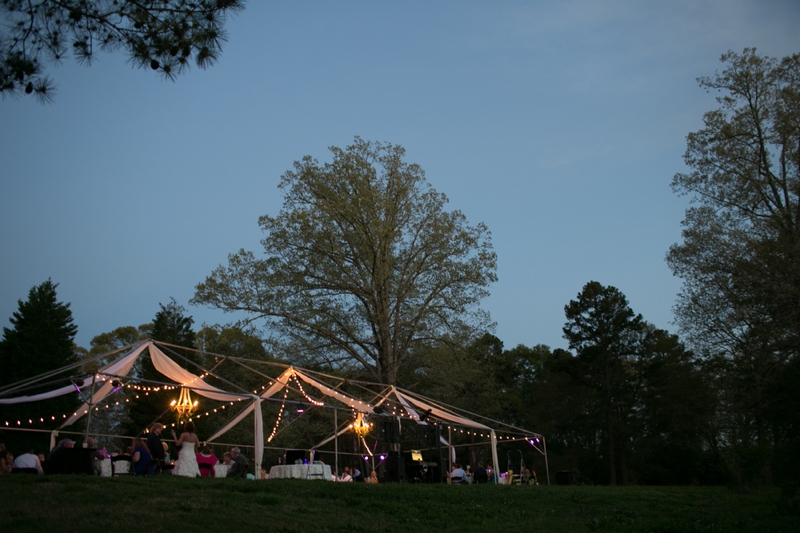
(280, 414)
(303, 392)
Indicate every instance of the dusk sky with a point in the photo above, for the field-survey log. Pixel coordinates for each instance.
(557, 124)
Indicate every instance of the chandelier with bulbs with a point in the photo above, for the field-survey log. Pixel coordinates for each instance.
(183, 406)
(360, 426)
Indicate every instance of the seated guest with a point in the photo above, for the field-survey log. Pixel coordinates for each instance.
(206, 460)
(346, 477)
(373, 478)
(457, 474)
(141, 458)
(29, 460)
(227, 460)
(239, 468)
(480, 475)
(58, 461)
(6, 461)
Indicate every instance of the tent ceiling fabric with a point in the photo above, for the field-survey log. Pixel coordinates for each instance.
(117, 368)
(175, 372)
(169, 368)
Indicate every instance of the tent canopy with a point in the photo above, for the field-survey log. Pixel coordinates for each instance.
(384, 400)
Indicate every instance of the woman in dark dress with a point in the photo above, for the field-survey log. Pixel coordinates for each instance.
(141, 458)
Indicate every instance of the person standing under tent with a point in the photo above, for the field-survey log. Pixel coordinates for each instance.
(186, 465)
(155, 445)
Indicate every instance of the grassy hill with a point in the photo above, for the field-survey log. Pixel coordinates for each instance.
(62, 504)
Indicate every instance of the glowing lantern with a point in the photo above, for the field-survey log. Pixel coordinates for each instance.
(360, 426)
(183, 406)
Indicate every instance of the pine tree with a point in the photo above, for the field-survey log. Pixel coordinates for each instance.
(41, 340)
(170, 325)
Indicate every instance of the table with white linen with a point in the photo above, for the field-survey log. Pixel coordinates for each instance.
(220, 470)
(105, 467)
(300, 472)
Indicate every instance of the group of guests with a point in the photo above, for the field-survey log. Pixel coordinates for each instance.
(152, 457)
(355, 474)
(30, 461)
(479, 475)
(147, 456)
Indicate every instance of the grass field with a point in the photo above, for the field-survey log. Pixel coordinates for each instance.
(61, 504)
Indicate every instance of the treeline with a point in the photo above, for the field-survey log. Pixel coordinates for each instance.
(628, 403)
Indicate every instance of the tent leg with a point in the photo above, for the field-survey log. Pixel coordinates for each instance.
(91, 406)
(258, 439)
(336, 441)
(53, 435)
(494, 458)
(546, 466)
(450, 451)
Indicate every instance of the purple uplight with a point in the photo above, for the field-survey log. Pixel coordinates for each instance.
(366, 458)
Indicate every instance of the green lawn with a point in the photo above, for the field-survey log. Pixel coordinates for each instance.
(61, 504)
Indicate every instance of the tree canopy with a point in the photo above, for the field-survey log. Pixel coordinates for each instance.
(41, 340)
(163, 35)
(362, 264)
(740, 255)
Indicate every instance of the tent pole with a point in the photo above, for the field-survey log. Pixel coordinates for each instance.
(258, 437)
(336, 440)
(91, 405)
(494, 458)
(546, 466)
(451, 450)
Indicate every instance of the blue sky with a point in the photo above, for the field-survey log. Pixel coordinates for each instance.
(558, 124)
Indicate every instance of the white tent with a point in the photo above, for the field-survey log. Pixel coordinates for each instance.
(386, 399)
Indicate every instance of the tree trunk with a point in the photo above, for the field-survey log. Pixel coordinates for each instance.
(612, 465)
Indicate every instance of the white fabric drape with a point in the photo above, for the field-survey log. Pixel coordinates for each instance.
(269, 393)
(258, 431)
(438, 413)
(410, 410)
(349, 401)
(195, 383)
(118, 368)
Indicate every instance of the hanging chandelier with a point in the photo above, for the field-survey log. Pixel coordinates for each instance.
(183, 406)
(360, 426)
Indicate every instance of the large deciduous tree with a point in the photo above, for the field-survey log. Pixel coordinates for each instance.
(164, 35)
(740, 255)
(362, 264)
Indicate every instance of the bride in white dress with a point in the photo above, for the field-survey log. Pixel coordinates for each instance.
(186, 465)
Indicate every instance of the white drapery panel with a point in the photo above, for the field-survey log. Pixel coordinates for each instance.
(195, 383)
(258, 432)
(349, 401)
(410, 410)
(269, 393)
(438, 413)
(118, 368)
